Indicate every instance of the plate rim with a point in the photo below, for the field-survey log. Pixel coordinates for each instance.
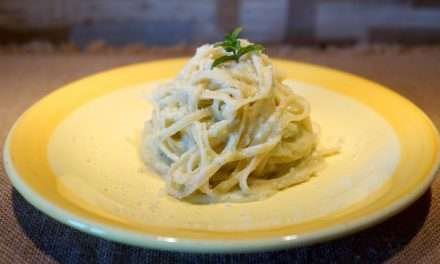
(129, 237)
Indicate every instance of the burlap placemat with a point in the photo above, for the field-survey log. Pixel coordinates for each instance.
(28, 236)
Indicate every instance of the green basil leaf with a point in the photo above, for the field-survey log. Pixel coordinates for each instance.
(223, 59)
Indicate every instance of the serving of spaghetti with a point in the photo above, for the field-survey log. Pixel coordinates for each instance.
(231, 133)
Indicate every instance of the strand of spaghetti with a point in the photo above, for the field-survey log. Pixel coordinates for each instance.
(229, 183)
(258, 149)
(178, 170)
(244, 174)
(266, 128)
(235, 93)
(294, 176)
(261, 166)
(202, 176)
(216, 76)
(182, 123)
(165, 150)
(217, 96)
(193, 162)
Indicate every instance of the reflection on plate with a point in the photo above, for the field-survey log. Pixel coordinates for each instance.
(82, 165)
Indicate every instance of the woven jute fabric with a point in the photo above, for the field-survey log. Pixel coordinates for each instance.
(29, 236)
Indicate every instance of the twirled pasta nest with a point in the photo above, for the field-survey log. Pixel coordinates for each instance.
(232, 133)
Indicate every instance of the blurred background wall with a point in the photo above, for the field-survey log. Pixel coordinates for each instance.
(170, 22)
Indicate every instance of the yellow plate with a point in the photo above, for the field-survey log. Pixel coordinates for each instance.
(74, 155)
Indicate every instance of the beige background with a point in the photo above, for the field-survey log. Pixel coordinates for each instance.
(161, 22)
